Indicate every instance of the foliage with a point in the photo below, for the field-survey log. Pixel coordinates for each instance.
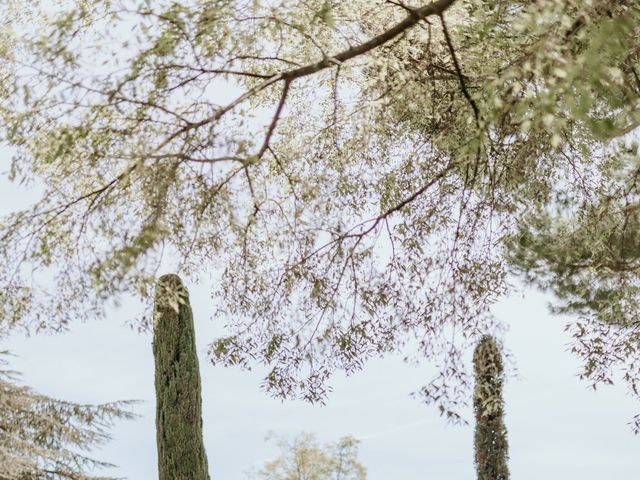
(302, 458)
(41, 437)
(491, 447)
(181, 453)
(353, 204)
(589, 259)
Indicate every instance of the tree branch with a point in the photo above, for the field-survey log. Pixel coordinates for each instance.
(276, 118)
(415, 16)
(456, 64)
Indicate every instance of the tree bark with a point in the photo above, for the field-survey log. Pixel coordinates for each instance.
(181, 453)
(491, 447)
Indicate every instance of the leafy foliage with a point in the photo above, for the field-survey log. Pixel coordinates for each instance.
(353, 204)
(587, 254)
(45, 438)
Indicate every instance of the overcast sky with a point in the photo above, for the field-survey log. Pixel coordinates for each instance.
(558, 428)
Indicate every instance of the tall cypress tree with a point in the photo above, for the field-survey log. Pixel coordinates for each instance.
(181, 454)
(491, 447)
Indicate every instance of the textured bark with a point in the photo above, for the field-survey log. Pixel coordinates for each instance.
(181, 454)
(491, 447)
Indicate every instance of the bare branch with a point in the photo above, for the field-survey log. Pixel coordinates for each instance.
(276, 118)
(435, 8)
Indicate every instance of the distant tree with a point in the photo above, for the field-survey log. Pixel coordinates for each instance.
(181, 454)
(41, 437)
(304, 459)
(491, 448)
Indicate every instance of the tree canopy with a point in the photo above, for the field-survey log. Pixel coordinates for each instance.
(352, 173)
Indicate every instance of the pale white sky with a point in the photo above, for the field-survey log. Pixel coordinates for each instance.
(558, 428)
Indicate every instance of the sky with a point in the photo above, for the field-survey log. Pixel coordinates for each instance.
(558, 428)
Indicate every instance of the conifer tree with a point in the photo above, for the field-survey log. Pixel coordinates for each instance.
(181, 454)
(47, 439)
(491, 448)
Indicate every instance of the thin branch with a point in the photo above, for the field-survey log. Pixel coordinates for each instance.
(276, 118)
(435, 8)
(375, 221)
(456, 64)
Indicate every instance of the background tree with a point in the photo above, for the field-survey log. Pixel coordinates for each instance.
(181, 453)
(302, 458)
(350, 170)
(491, 447)
(45, 438)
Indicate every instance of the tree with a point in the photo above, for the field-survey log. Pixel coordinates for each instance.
(45, 438)
(304, 459)
(354, 194)
(491, 447)
(181, 453)
(589, 259)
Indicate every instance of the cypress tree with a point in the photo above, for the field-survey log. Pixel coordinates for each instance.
(491, 448)
(181, 454)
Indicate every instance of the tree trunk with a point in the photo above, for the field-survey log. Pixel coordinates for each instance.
(181, 454)
(491, 447)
